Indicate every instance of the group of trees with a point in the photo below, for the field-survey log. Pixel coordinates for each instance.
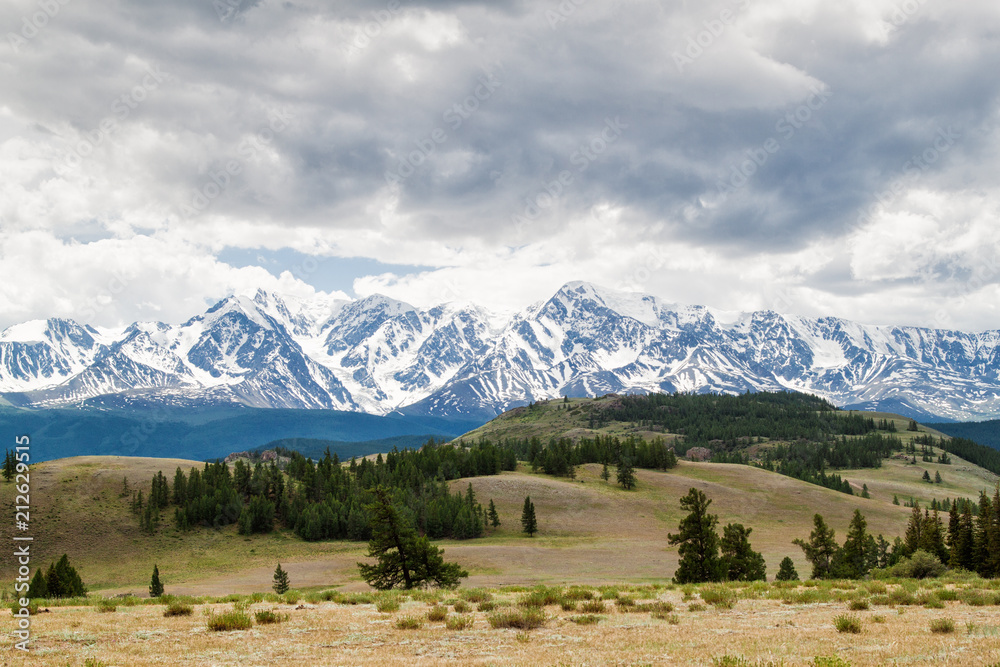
(61, 580)
(700, 546)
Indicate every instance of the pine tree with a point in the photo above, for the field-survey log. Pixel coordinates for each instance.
(626, 473)
(786, 570)
(864, 491)
(280, 580)
(492, 515)
(605, 473)
(9, 465)
(155, 587)
(740, 561)
(699, 543)
(914, 529)
(821, 549)
(529, 524)
(926, 477)
(859, 549)
(937, 476)
(895, 499)
(38, 590)
(403, 559)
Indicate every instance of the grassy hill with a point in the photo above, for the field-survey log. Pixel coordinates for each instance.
(590, 530)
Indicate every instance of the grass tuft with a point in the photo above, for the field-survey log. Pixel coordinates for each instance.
(847, 623)
(522, 619)
(409, 623)
(943, 625)
(586, 619)
(235, 619)
(178, 608)
(269, 616)
(460, 622)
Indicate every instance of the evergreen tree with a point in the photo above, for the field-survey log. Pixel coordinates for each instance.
(492, 515)
(926, 477)
(155, 587)
(38, 590)
(280, 580)
(786, 570)
(699, 543)
(895, 499)
(914, 530)
(740, 561)
(821, 549)
(605, 473)
(529, 523)
(403, 559)
(626, 473)
(63, 581)
(864, 491)
(932, 536)
(937, 476)
(9, 465)
(859, 549)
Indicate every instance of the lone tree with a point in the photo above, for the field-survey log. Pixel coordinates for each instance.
(155, 587)
(699, 543)
(740, 561)
(529, 524)
(404, 560)
(9, 466)
(786, 570)
(492, 515)
(626, 473)
(280, 584)
(821, 549)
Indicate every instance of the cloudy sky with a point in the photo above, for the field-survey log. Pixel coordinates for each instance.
(822, 158)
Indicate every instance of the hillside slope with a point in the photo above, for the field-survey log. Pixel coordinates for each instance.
(590, 530)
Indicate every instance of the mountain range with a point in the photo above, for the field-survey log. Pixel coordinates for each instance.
(379, 356)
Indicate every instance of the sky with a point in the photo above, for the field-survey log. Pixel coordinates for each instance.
(816, 158)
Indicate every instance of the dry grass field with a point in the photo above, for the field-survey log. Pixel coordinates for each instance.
(726, 626)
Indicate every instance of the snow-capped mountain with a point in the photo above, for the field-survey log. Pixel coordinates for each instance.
(378, 355)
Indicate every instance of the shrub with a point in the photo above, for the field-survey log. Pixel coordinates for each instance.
(830, 661)
(177, 608)
(858, 604)
(672, 619)
(486, 605)
(269, 616)
(921, 565)
(462, 607)
(661, 606)
(106, 606)
(974, 598)
(847, 623)
(593, 607)
(387, 604)
(578, 594)
(459, 622)
(721, 598)
(476, 595)
(292, 597)
(586, 619)
(357, 598)
(696, 606)
(522, 619)
(901, 596)
(878, 618)
(943, 625)
(235, 619)
(739, 661)
(409, 623)
(437, 613)
(568, 605)
(541, 597)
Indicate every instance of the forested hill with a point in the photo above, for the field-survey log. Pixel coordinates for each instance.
(985, 433)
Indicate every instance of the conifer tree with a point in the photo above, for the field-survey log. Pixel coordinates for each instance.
(859, 549)
(9, 466)
(699, 543)
(529, 524)
(914, 529)
(932, 536)
(626, 473)
(937, 476)
(864, 491)
(786, 570)
(605, 473)
(494, 518)
(280, 581)
(155, 586)
(926, 477)
(403, 559)
(740, 561)
(821, 549)
(38, 590)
